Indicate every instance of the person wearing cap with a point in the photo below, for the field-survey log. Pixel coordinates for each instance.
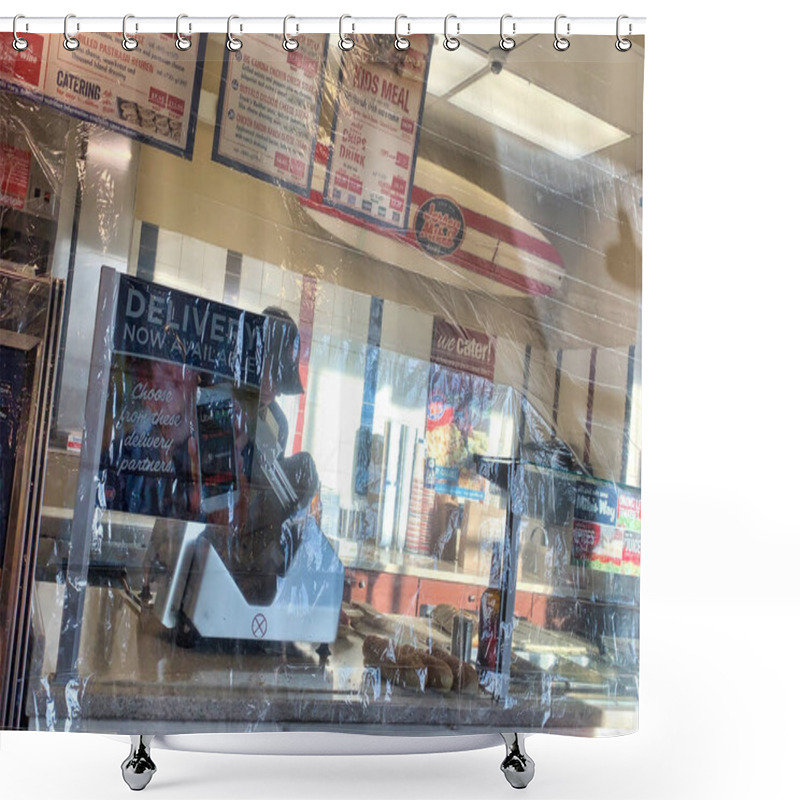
(281, 373)
(264, 544)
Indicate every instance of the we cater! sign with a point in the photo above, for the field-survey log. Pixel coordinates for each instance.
(462, 349)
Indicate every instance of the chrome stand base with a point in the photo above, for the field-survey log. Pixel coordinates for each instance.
(138, 768)
(517, 766)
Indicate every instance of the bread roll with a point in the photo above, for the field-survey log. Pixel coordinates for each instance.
(407, 670)
(465, 677)
(439, 675)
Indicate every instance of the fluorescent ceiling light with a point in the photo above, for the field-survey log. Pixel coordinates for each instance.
(450, 69)
(519, 106)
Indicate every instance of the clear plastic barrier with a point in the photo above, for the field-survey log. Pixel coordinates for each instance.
(344, 428)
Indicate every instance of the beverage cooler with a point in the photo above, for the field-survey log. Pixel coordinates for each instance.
(321, 384)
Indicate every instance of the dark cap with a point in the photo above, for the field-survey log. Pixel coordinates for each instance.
(282, 351)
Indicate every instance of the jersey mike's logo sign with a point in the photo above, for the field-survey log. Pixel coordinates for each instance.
(439, 226)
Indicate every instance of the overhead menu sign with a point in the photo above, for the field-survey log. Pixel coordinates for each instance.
(268, 110)
(379, 102)
(150, 93)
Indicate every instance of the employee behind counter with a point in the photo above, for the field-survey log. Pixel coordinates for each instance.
(279, 487)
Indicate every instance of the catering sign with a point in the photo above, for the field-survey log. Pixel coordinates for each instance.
(150, 93)
(463, 349)
(379, 102)
(268, 110)
(460, 388)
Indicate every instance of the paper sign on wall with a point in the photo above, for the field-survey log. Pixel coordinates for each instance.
(376, 129)
(150, 93)
(268, 110)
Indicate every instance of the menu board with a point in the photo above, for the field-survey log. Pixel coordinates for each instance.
(268, 110)
(379, 102)
(606, 533)
(460, 388)
(150, 93)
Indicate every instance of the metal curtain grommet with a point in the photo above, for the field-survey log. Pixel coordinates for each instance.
(451, 42)
(181, 42)
(623, 45)
(561, 43)
(19, 43)
(507, 42)
(345, 42)
(128, 42)
(233, 44)
(289, 42)
(400, 42)
(70, 42)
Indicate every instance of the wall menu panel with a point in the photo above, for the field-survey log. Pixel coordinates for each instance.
(375, 134)
(150, 93)
(268, 111)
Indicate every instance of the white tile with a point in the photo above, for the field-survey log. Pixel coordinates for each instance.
(250, 301)
(271, 282)
(252, 275)
(166, 273)
(192, 256)
(214, 263)
(168, 247)
(292, 289)
(323, 305)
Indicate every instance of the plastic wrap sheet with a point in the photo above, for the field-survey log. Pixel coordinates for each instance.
(346, 422)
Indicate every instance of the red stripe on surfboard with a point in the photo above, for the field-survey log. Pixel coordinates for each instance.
(481, 266)
(479, 222)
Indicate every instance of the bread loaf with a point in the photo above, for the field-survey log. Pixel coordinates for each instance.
(465, 678)
(408, 670)
(406, 665)
(439, 675)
